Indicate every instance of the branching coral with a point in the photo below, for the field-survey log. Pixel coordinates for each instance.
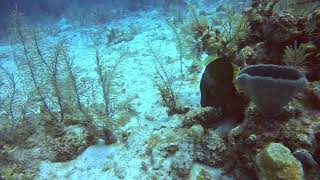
(107, 76)
(179, 44)
(235, 28)
(54, 77)
(188, 35)
(217, 39)
(44, 66)
(77, 93)
(225, 38)
(168, 96)
(199, 24)
(14, 102)
(15, 127)
(164, 82)
(25, 61)
(11, 95)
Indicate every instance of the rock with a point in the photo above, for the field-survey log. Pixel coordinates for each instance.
(280, 29)
(234, 132)
(210, 149)
(16, 137)
(256, 19)
(170, 149)
(276, 162)
(182, 163)
(27, 157)
(203, 116)
(117, 36)
(171, 152)
(265, 54)
(244, 55)
(71, 144)
(300, 132)
(108, 136)
(196, 132)
(202, 172)
(312, 93)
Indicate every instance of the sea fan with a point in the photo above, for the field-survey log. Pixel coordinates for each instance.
(311, 25)
(298, 8)
(295, 55)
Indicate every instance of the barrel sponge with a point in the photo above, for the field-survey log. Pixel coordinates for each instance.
(269, 86)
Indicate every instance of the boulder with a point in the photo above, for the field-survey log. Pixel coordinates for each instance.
(275, 162)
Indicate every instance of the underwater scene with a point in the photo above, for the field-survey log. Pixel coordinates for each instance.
(160, 90)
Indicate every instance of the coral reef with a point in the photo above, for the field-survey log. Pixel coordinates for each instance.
(210, 149)
(182, 162)
(259, 36)
(70, 145)
(312, 95)
(295, 128)
(204, 116)
(279, 38)
(280, 29)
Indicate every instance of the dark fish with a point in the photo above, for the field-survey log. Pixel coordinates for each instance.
(306, 158)
(316, 154)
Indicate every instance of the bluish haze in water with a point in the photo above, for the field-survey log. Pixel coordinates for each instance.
(45, 10)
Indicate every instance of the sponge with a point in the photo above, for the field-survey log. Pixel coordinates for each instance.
(269, 86)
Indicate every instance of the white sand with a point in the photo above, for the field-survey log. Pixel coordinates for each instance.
(119, 161)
